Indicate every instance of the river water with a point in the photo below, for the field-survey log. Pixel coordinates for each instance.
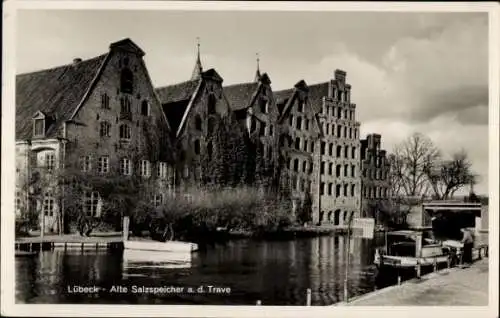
(243, 271)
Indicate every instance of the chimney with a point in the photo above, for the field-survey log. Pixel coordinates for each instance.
(340, 75)
(76, 60)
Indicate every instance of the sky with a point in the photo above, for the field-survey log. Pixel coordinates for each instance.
(410, 72)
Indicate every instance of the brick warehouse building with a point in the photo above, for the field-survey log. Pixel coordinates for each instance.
(104, 116)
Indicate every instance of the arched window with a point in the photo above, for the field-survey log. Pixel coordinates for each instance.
(330, 188)
(211, 104)
(197, 146)
(337, 217)
(296, 165)
(297, 143)
(346, 170)
(104, 129)
(304, 166)
(339, 130)
(125, 132)
(337, 190)
(339, 151)
(345, 189)
(330, 149)
(353, 189)
(197, 122)
(145, 108)
(305, 145)
(127, 81)
(209, 150)
(337, 170)
(125, 105)
(346, 152)
(353, 152)
(211, 125)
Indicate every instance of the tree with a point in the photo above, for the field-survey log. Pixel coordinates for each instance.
(409, 165)
(448, 176)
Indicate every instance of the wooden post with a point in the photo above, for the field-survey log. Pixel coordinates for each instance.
(418, 269)
(435, 264)
(259, 303)
(348, 253)
(308, 300)
(126, 223)
(448, 262)
(399, 279)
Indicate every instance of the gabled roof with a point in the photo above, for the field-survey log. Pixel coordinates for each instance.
(56, 92)
(177, 92)
(239, 96)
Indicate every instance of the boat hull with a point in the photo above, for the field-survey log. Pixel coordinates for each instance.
(410, 262)
(170, 246)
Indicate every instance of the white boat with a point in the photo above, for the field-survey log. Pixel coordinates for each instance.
(168, 246)
(150, 245)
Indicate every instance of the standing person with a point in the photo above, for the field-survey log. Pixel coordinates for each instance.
(468, 242)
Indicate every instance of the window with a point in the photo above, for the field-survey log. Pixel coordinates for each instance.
(104, 129)
(330, 168)
(353, 170)
(339, 112)
(126, 81)
(50, 161)
(263, 105)
(330, 150)
(346, 152)
(306, 124)
(145, 108)
(322, 188)
(211, 125)
(353, 190)
(103, 164)
(322, 167)
(333, 130)
(337, 190)
(85, 163)
(299, 123)
(339, 131)
(339, 151)
(305, 145)
(39, 127)
(271, 130)
(211, 104)
(290, 120)
(197, 122)
(197, 147)
(105, 101)
(125, 105)
(92, 204)
(296, 165)
(330, 188)
(301, 107)
(209, 150)
(297, 143)
(327, 130)
(346, 170)
(345, 131)
(262, 129)
(49, 204)
(304, 166)
(162, 170)
(125, 167)
(345, 189)
(345, 114)
(145, 168)
(342, 96)
(353, 152)
(312, 146)
(158, 199)
(125, 132)
(337, 170)
(323, 145)
(355, 133)
(350, 132)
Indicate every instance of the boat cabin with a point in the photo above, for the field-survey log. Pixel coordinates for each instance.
(412, 243)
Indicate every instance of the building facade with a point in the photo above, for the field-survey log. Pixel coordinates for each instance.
(375, 176)
(104, 117)
(98, 117)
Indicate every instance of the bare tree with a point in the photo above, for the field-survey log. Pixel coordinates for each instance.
(409, 164)
(448, 176)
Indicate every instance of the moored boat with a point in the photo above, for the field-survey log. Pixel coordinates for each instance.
(409, 249)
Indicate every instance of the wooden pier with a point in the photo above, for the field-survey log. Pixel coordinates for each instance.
(68, 242)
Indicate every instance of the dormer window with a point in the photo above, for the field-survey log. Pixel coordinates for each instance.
(39, 121)
(39, 127)
(126, 81)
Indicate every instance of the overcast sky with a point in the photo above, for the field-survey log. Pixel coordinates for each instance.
(425, 72)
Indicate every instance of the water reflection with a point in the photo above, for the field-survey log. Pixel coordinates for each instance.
(277, 273)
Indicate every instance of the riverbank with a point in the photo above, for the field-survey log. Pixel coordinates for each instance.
(116, 237)
(450, 287)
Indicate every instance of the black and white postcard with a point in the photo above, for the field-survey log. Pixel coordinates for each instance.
(250, 159)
